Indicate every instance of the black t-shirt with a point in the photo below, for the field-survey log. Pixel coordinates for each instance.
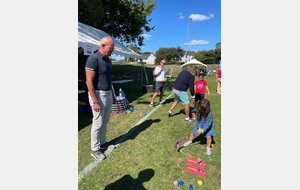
(103, 67)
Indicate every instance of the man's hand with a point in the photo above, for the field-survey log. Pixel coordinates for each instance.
(97, 107)
(165, 80)
(193, 100)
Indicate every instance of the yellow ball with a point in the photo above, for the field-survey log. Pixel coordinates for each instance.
(200, 182)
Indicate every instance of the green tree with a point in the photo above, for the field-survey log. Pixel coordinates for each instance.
(125, 20)
(199, 56)
(136, 49)
(170, 55)
(218, 51)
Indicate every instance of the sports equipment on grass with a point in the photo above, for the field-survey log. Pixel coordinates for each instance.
(120, 113)
(198, 158)
(116, 100)
(197, 162)
(124, 104)
(127, 102)
(196, 170)
(175, 182)
(200, 182)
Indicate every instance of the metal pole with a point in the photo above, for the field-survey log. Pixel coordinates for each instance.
(187, 40)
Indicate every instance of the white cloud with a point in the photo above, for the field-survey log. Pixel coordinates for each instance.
(211, 15)
(181, 15)
(197, 42)
(196, 17)
(146, 36)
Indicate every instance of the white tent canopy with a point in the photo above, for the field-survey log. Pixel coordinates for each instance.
(193, 62)
(92, 36)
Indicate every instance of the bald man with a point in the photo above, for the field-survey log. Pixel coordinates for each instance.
(98, 71)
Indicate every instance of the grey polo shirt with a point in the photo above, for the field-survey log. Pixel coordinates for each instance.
(103, 67)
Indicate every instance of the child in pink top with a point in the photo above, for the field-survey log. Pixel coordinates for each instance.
(200, 86)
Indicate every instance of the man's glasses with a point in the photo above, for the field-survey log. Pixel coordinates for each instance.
(111, 49)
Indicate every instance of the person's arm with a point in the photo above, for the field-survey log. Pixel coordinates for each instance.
(192, 89)
(90, 75)
(207, 89)
(217, 77)
(207, 123)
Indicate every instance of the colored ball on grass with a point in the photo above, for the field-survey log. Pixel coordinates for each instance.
(200, 182)
(191, 187)
(181, 182)
(198, 160)
(175, 182)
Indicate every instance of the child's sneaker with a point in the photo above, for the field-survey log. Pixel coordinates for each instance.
(189, 120)
(188, 143)
(208, 151)
(194, 116)
(152, 105)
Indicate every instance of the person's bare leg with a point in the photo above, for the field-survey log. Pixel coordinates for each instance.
(161, 96)
(187, 110)
(208, 141)
(192, 137)
(153, 97)
(173, 105)
(190, 141)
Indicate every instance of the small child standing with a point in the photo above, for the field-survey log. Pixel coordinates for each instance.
(204, 125)
(200, 86)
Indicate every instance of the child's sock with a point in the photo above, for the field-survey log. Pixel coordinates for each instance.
(187, 118)
(208, 150)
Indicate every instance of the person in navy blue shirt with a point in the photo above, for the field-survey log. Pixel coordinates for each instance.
(184, 81)
(98, 71)
(204, 126)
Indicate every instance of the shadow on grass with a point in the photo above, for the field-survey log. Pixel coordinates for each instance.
(202, 140)
(127, 182)
(182, 111)
(84, 119)
(133, 132)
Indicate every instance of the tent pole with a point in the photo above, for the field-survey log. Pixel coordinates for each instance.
(145, 74)
(141, 72)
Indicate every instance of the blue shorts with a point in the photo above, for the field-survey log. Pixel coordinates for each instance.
(181, 97)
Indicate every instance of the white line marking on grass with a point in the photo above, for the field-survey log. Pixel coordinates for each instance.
(87, 169)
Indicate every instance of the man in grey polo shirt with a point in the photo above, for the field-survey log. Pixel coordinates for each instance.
(98, 71)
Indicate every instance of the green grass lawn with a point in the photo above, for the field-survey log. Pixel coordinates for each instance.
(147, 159)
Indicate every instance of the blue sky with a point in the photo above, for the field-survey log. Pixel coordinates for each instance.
(171, 19)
